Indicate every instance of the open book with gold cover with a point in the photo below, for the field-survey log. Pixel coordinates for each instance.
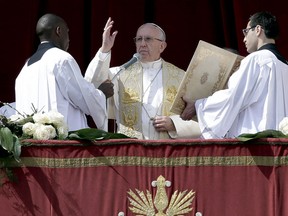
(208, 71)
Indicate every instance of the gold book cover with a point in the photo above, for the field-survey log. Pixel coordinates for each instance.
(208, 71)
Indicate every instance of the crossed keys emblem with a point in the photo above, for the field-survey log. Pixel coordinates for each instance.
(144, 205)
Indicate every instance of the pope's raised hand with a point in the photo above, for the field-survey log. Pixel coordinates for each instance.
(108, 38)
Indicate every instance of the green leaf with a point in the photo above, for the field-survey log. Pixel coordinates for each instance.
(6, 139)
(263, 134)
(17, 148)
(94, 134)
(117, 136)
(87, 134)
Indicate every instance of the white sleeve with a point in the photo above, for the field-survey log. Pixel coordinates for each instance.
(184, 129)
(81, 93)
(98, 69)
(97, 72)
(217, 113)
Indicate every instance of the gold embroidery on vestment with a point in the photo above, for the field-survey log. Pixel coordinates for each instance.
(130, 96)
(131, 90)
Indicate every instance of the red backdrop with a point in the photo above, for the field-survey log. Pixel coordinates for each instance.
(185, 22)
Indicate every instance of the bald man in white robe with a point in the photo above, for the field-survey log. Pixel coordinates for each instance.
(51, 80)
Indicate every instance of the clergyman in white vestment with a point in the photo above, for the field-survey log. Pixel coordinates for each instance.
(51, 80)
(257, 95)
(144, 92)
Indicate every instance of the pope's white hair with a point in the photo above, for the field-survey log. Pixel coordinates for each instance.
(158, 27)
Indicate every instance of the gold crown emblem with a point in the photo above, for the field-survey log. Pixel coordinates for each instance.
(143, 205)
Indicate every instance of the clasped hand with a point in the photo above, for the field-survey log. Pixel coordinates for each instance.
(189, 112)
(163, 123)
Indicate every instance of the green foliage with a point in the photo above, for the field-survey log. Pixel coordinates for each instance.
(10, 142)
(92, 134)
(11, 134)
(263, 134)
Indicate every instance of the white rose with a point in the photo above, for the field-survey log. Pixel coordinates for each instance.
(283, 126)
(56, 118)
(44, 132)
(62, 131)
(41, 118)
(29, 128)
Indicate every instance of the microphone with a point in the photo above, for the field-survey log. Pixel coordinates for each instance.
(134, 59)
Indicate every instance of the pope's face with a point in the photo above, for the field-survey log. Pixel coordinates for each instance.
(149, 43)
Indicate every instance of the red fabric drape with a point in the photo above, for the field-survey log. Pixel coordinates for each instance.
(185, 22)
(229, 178)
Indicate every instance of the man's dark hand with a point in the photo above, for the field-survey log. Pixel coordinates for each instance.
(107, 87)
(189, 110)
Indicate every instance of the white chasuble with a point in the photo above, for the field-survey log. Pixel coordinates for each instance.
(144, 98)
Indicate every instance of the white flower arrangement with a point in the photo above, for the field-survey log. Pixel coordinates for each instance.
(38, 125)
(283, 126)
(18, 129)
(43, 126)
(46, 126)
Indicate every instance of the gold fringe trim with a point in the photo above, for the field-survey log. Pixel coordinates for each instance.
(149, 162)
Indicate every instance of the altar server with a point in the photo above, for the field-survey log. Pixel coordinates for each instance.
(257, 95)
(51, 80)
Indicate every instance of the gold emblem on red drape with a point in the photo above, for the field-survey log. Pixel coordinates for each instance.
(144, 205)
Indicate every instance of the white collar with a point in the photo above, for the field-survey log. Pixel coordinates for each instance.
(152, 65)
